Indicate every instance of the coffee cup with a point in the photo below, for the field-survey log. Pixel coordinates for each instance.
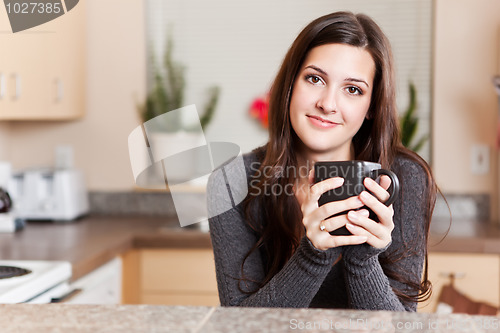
(354, 173)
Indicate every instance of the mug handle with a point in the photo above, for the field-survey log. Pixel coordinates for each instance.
(393, 188)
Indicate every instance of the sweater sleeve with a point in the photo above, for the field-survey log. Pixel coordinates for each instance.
(294, 285)
(365, 270)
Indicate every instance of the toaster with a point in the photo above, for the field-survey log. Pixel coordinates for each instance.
(49, 194)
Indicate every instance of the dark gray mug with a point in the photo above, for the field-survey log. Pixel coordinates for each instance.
(354, 173)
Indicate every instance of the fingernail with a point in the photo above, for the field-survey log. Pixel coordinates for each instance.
(353, 216)
(339, 181)
(369, 180)
(364, 195)
(349, 226)
(364, 212)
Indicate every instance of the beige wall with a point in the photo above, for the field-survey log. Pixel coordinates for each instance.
(4, 141)
(115, 80)
(466, 56)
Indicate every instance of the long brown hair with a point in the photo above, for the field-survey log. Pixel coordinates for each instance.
(377, 140)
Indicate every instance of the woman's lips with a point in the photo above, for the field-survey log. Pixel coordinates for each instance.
(321, 122)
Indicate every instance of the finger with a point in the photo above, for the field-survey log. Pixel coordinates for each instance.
(377, 235)
(363, 212)
(328, 241)
(365, 225)
(379, 191)
(383, 212)
(311, 194)
(336, 241)
(335, 207)
(333, 223)
(370, 239)
(311, 177)
(323, 240)
(385, 182)
(323, 186)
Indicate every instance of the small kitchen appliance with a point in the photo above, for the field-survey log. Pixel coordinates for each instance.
(49, 194)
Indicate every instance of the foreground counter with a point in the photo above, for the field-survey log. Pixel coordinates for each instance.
(149, 318)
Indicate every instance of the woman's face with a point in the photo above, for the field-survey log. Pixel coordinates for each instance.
(330, 99)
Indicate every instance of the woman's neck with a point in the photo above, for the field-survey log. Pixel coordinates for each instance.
(307, 158)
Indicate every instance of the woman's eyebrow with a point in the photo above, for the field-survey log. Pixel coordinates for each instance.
(317, 69)
(357, 80)
(349, 79)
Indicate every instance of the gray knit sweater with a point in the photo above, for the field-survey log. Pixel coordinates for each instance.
(310, 278)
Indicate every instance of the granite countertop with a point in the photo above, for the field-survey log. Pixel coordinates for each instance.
(92, 241)
(149, 318)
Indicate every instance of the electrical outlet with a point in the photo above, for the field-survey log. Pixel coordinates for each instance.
(480, 159)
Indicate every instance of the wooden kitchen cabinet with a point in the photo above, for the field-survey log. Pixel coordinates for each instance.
(477, 277)
(170, 276)
(42, 70)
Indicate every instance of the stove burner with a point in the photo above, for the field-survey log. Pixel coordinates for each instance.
(11, 271)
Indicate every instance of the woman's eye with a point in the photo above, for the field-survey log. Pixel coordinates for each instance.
(354, 91)
(313, 79)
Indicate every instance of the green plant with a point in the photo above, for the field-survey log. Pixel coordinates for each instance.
(409, 123)
(213, 99)
(167, 94)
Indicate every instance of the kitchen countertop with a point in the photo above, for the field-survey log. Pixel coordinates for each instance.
(149, 318)
(464, 235)
(94, 240)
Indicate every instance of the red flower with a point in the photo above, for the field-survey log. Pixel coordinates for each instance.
(259, 110)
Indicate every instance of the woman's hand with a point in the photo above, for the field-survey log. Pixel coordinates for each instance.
(378, 233)
(316, 219)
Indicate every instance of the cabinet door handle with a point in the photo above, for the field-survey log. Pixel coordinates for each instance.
(66, 297)
(17, 90)
(59, 89)
(2, 85)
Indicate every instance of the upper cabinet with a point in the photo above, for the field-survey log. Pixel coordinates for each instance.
(42, 69)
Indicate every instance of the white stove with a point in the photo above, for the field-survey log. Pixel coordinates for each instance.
(38, 282)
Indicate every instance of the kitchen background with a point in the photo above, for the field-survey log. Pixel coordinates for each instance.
(465, 56)
(110, 49)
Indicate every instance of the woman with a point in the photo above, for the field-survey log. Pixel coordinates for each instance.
(333, 99)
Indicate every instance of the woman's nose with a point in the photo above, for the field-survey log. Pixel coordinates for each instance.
(327, 101)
